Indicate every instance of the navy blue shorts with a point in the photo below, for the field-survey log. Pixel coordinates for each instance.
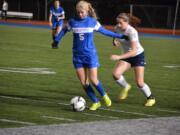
(136, 61)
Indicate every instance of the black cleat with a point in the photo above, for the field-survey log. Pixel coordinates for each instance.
(54, 45)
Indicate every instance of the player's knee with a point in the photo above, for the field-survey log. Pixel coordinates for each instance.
(140, 84)
(94, 81)
(116, 75)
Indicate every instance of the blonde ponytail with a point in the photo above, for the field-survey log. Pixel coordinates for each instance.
(92, 12)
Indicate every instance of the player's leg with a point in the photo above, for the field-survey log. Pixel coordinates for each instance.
(55, 29)
(53, 37)
(58, 27)
(119, 69)
(83, 77)
(53, 33)
(58, 30)
(93, 75)
(139, 77)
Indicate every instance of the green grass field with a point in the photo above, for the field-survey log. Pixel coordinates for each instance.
(43, 99)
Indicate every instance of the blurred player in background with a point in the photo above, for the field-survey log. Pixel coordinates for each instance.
(4, 10)
(56, 18)
(132, 56)
(85, 58)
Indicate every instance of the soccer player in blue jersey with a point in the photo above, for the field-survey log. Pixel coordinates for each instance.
(56, 18)
(85, 58)
(132, 56)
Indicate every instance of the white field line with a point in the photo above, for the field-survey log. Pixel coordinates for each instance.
(58, 118)
(16, 121)
(65, 104)
(162, 110)
(134, 113)
(102, 116)
(172, 66)
(18, 98)
(170, 111)
(27, 70)
(118, 111)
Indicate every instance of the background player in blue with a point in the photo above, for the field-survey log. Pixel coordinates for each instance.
(85, 58)
(56, 18)
(132, 56)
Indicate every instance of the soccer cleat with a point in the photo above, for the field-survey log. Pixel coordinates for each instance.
(54, 45)
(107, 100)
(95, 106)
(124, 93)
(150, 102)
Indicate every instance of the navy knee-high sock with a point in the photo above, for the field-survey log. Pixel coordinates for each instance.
(100, 88)
(90, 93)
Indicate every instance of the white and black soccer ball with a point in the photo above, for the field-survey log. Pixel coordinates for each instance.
(78, 103)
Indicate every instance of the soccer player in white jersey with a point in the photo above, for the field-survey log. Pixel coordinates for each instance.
(132, 56)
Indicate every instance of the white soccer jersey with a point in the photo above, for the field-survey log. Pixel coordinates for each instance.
(133, 36)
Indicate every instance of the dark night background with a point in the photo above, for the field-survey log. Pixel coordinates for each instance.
(159, 16)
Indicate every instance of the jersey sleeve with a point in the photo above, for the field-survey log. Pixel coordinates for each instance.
(97, 26)
(68, 26)
(62, 12)
(133, 35)
(110, 33)
(61, 34)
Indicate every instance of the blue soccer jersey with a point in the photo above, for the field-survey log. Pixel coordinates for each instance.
(83, 42)
(56, 13)
(84, 50)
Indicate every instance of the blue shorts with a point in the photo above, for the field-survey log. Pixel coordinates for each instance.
(136, 61)
(85, 62)
(57, 24)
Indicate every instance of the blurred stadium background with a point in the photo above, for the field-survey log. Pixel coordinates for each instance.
(154, 13)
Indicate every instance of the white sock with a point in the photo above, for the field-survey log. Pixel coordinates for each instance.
(146, 90)
(122, 82)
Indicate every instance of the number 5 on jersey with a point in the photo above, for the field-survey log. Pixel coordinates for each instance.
(81, 36)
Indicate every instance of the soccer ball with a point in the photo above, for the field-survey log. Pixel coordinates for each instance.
(78, 103)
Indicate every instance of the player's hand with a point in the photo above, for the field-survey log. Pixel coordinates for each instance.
(59, 18)
(125, 37)
(116, 42)
(50, 24)
(115, 57)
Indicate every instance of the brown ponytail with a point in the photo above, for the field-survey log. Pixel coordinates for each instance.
(132, 20)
